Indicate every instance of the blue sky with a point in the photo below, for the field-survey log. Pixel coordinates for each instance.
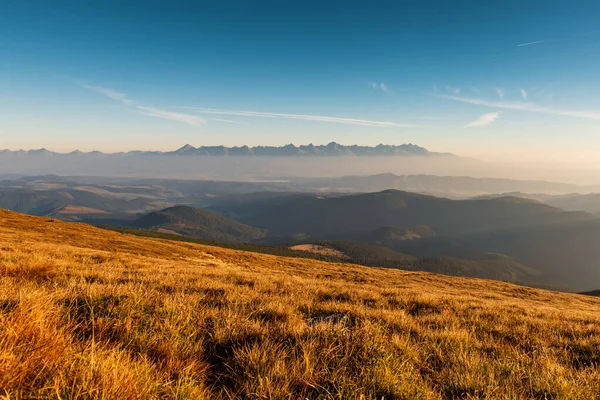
(480, 78)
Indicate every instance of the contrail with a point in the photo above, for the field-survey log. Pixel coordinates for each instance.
(530, 43)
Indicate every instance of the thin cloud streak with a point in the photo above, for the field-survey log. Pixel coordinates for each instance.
(189, 119)
(568, 37)
(439, 118)
(521, 106)
(500, 92)
(229, 121)
(523, 94)
(484, 120)
(304, 117)
(110, 93)
(453, 89)
(381, 86)
(531, 43)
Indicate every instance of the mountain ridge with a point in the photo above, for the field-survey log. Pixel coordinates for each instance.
(288, 150)
(328, 216)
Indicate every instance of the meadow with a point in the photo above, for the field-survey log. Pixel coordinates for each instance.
(87, 313)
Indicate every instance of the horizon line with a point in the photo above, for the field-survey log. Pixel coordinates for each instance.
(66, 152)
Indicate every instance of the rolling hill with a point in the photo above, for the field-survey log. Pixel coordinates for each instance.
(588, 202)
(392, 234)
(37, 194)
(561, 246)
(577, 202)
(488, 266)
(461, 186)
(339, 217)
(200, 223)
(70, 204)
(92, 313)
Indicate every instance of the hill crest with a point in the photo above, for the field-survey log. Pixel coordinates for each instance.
(199, 223)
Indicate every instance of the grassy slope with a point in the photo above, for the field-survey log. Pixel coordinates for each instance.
(488, 266)
(89, 313)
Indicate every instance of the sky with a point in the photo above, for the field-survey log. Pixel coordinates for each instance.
(502, 80)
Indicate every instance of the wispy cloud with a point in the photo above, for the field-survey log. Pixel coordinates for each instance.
(523, 94)
(484, 120)
(305, 117)
(522, 106)
(500, 92)
(439, 118)
(381, 86)
(531, 43)
(110, 93)
(544, 93)
(453, 89)
(189, 119)
(229, 121)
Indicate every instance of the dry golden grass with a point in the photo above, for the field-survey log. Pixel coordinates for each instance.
(316, 249)
(93, 314)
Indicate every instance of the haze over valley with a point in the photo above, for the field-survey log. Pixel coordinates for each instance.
(380, 220)
(285, 162)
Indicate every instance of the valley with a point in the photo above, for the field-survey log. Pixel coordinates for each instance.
(518, 238)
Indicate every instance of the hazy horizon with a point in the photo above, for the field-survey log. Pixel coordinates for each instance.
(581, 170)
(247, 168)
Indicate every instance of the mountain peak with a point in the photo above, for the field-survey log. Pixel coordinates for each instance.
(40, 151)
(290, 149)
(186, 149)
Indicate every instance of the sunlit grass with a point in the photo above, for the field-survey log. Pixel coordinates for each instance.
(88, 313)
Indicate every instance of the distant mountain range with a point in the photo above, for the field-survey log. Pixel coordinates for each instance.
(331, 149)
